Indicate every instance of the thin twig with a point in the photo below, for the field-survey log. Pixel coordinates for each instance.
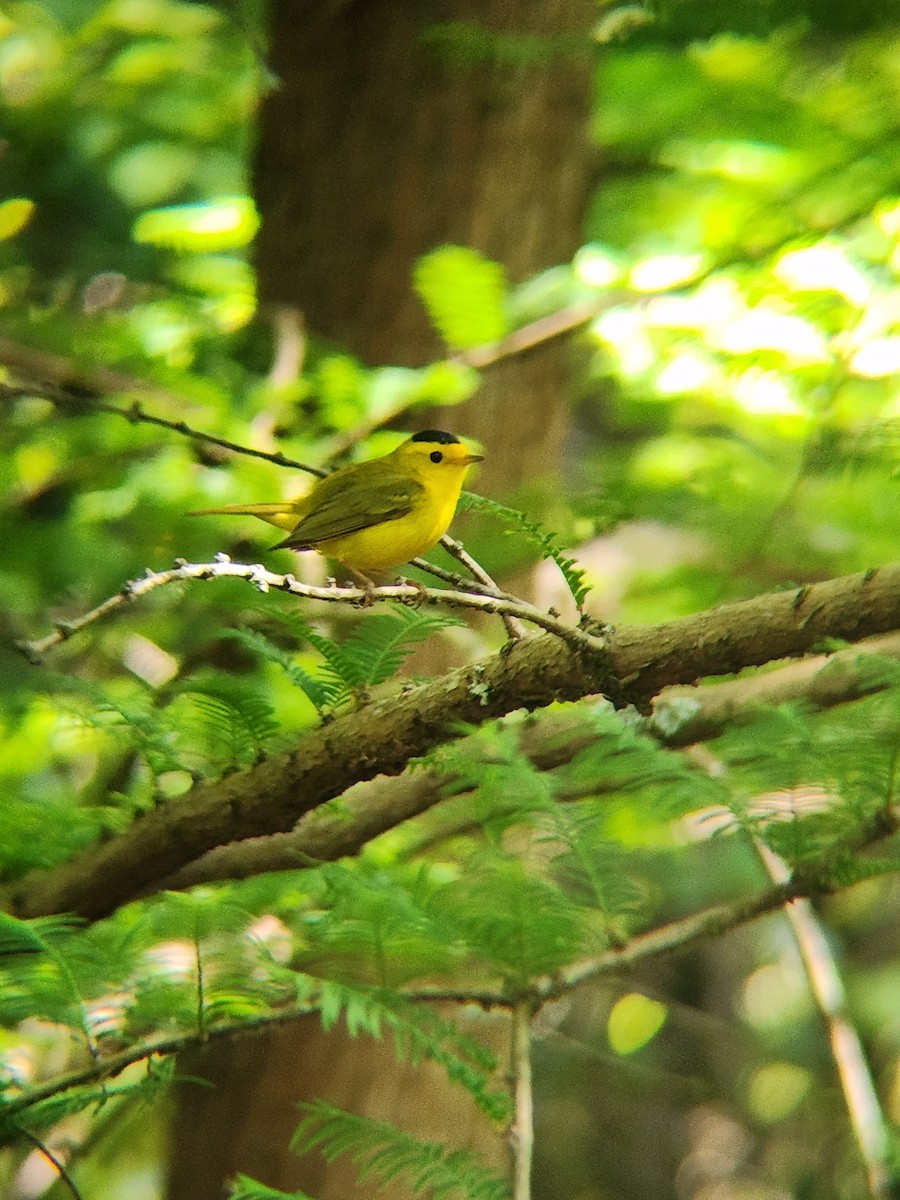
(522, 1131)
(137, 415)
(529, 337)
(460, 582)
(870, 1129)
(53, 1160)
(265, 580)
(539, 332)
(45, 367)
(514, 628)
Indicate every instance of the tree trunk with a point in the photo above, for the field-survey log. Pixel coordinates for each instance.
(246, 1120)
(398, 127)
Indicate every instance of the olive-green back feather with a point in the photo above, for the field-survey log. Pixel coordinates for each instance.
(353, 499)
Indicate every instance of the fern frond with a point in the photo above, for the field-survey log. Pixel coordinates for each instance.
(619, 760)
(464, 294)
(384, 1153)
(324, 692)
(245, 1188)
(519, 924)
(380, 644)
(34, 936)
(852, 870)
(374, 651)
(589, 867)
(504, 785)
(45, 1113)
(542, 539)
(417, 1032)
(130, 716)
(335, 678)
(804, 782)
(379, 929)
(234, 719)
(37, 937)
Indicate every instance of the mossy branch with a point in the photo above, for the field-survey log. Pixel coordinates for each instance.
(630, 666)
(680, 717)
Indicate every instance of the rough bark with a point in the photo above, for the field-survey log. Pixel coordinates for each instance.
(636, 663)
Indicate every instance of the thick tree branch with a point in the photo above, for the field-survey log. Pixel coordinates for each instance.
(684, 715)
(681, 716)
(366, 810)
(378, 739)
(633, 665)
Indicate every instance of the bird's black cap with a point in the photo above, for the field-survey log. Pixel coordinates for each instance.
(435, 435)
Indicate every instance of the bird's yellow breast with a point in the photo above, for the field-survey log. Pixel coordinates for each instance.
(392, 543)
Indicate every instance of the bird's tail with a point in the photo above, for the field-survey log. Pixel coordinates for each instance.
(282, 513)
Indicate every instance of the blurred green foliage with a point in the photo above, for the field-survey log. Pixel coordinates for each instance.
(735, 428)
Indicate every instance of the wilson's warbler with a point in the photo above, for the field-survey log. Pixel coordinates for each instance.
(375, 515)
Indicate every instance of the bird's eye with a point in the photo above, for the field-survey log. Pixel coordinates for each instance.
(436, 456)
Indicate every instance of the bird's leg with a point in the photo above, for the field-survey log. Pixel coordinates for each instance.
(367, 585)
(420, 587)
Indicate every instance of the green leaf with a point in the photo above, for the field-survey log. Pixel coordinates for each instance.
(464, 295)
(14, 216)
(245, 1188)
(221, 224)
(633, 1022)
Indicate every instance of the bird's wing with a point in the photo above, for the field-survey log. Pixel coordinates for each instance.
(342, 506)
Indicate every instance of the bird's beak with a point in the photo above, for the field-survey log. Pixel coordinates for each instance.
(471, 458)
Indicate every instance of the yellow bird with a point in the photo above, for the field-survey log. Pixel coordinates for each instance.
(375, 515)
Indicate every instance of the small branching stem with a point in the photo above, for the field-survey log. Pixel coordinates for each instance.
(522, 1132)
(677, 934)
(870, 1129)
(136, 414)
(514, 627)
(265, 580)
(55, 1162)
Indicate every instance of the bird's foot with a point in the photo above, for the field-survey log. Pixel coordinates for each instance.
(421, 591)
(367, 585)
